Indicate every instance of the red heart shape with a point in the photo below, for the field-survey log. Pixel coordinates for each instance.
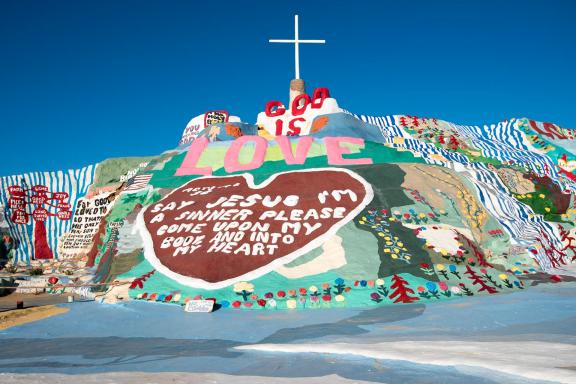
(215, 231)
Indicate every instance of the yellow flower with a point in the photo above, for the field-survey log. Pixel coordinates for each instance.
(529, 195)
(422, 215)
(440, 267)
(541, 195)
(243, 286)
(503, 276)
(394, 256)
(339, 298)
(547, 209)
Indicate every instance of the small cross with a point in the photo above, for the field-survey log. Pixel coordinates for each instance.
(296, 43)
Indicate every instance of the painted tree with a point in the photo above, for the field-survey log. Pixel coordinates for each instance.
(400, 291)
(568, 241)
(477, 280)
(41, 204)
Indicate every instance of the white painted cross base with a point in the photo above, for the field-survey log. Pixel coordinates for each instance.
(199, 306)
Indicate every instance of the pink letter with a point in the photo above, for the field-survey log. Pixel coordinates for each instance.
(302, 149)
(231, 163)
(335, 151)
(188, 166)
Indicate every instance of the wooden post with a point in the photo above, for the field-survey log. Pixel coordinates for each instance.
(297, 87)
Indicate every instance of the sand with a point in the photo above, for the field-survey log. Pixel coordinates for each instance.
(16, 317)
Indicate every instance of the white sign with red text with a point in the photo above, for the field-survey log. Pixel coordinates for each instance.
(297, 121)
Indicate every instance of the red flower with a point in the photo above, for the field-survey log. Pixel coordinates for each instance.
(168, 298)
(326, 297)
(424, 265)
(302, 291)
(421, 289)
(261, 302)
(53, 280)
(356, 283)
(236, 304)
(281, 294)
(347, 289)
(269, 295)
(407, 215)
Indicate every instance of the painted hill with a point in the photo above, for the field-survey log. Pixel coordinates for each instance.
(311, 207)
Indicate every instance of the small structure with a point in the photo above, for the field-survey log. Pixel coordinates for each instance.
(297, 86)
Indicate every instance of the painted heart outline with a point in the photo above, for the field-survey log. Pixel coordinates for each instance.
(312, 175)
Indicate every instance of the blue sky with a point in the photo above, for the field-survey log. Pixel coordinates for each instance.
(81, 81)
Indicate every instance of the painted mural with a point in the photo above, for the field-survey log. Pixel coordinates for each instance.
(311, 207)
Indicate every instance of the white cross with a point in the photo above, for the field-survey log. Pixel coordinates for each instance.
(296, 43)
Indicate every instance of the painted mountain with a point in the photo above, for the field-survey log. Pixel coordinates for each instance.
(311, 207)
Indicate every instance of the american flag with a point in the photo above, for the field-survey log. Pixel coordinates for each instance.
(138, 182)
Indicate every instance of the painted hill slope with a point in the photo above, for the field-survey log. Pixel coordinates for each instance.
(311, 207)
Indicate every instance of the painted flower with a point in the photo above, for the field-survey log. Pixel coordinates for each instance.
(542, 196)
(291, 304)
(379, 282)
(272, 303)
(455, 290)
(268, 295)
(198, 297)
(326, 297)
(302, 291)
(53, 280)
(225, 303)
(431, 286)
(363, 283)
(248, 304)
(421, 289)
(254, 297)
(374, 296)
(483, 270)
(236, 304)
(443, 286)
(292, 292)
(424, 265)
(325, 285)
(339, 281)
(440, 267)
(370, 283)
(281, 294)
(261, 302)
(503, 276)
(339, 298)
(314, 298)
(243, 286)
(302, 299)
(313, 289)
(452, 268)
(347, 289)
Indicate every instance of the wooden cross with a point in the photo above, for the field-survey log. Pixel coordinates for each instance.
(296, 43)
